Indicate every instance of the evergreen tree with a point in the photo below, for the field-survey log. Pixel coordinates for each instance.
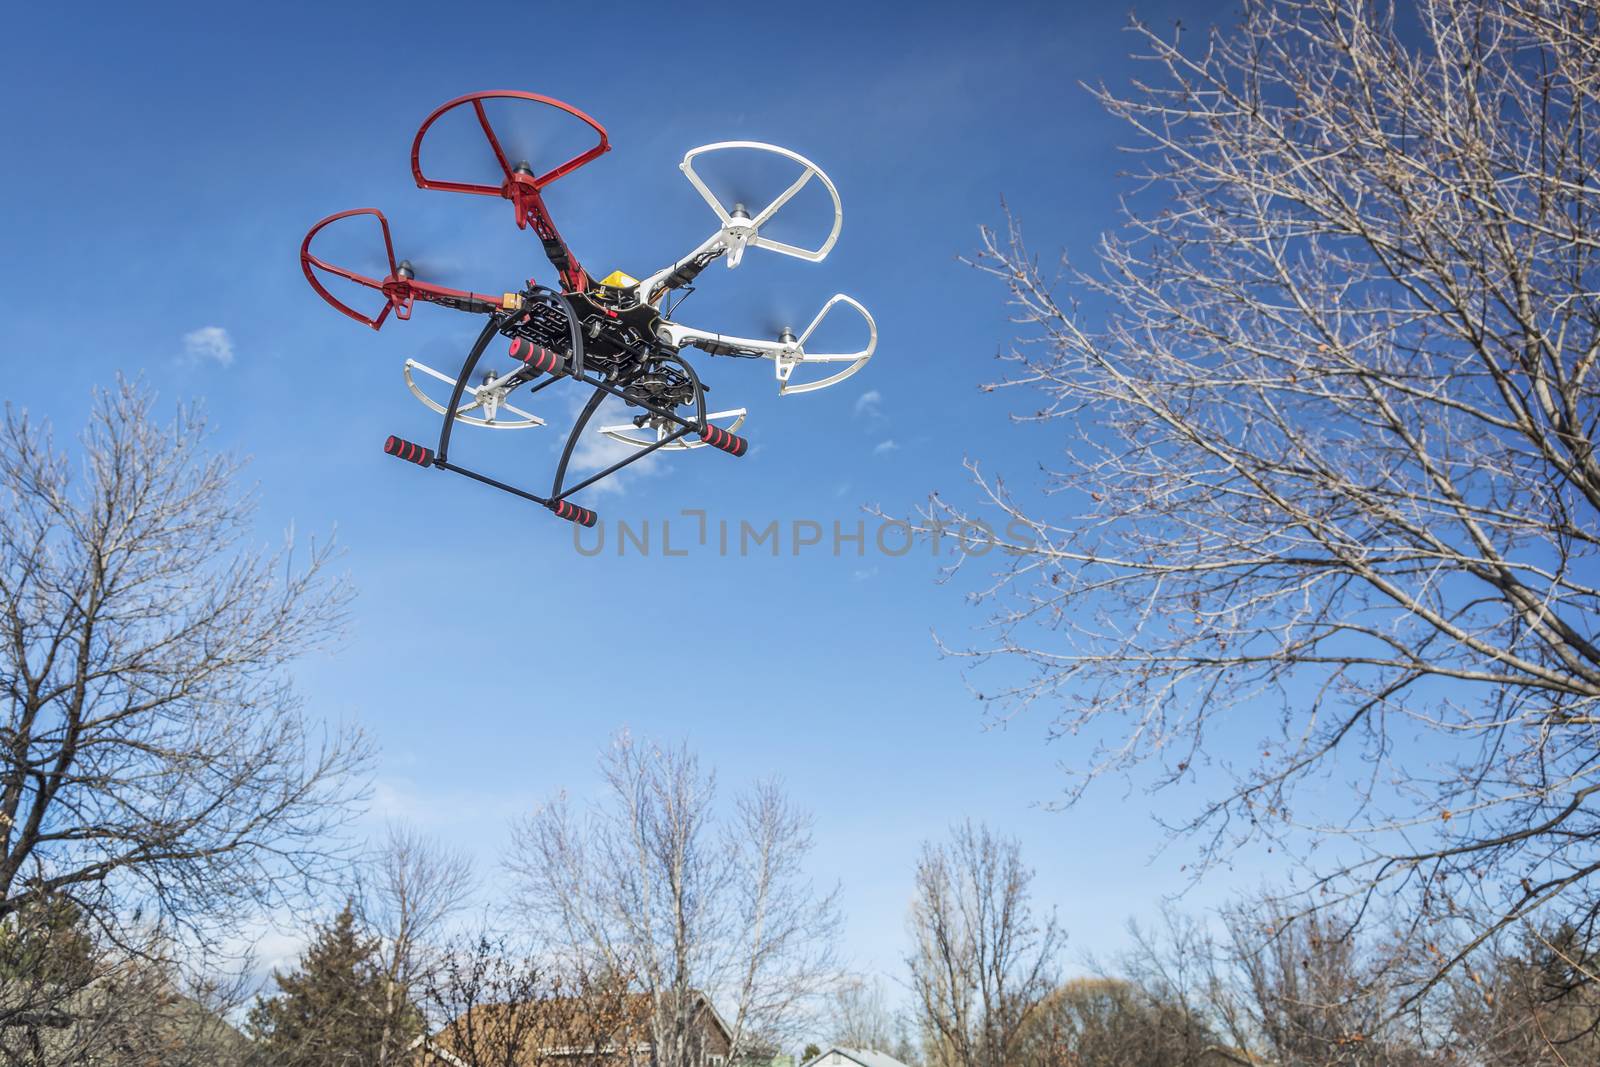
(46, 941)
(1535, 1003)
(330, 1011)
(47, 959)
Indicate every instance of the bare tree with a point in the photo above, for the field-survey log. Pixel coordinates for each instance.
(859, 1016)
(700, 904)
(155, 768)
(1313, 993)
(1287, 990)
(1534, 1001)
(1109, 1022)
(1332, 455)
(413, 888)
(982, 961)
(487, 998)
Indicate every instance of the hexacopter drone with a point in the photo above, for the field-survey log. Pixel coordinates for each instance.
(614, 335)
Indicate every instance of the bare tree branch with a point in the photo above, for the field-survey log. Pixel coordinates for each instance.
(699, 904)
(1330, 457)
(156, 769)
(982, 963)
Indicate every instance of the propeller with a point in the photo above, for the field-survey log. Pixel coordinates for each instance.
(748, 184)
(778, 323)
(739, 196)
(517, 126)
(533, 137)
(488, 375)
(434, 270)
(428, 269)
(355, 241)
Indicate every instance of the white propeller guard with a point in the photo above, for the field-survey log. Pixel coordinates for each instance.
(786, 361)
(737, 234)
(787, 355)
(627, 433)
(740, 232)
(489, 397)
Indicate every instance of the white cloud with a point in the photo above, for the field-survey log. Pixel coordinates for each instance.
(869, 404)
(595, 451)
(209, 343)
(883, 447)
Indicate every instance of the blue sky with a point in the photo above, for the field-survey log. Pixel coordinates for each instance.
(162, 167)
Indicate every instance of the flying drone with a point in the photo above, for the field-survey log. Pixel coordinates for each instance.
(615, 336)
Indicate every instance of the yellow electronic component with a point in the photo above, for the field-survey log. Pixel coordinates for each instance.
(619, 280)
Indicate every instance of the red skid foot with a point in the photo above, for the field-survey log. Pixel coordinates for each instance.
(566, 509)
(408, 451)
(731, 443)
(540, 359)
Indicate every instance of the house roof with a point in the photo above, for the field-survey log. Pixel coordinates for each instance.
(555, 1026)
(865, 1057)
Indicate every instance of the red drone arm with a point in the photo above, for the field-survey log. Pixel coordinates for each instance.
(521, 187)
(399, 291)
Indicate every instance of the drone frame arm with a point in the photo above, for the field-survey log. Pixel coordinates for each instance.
(785, 355)
(682, 271)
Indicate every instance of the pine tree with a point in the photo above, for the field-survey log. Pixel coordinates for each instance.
(46, 941)
(330, 1011)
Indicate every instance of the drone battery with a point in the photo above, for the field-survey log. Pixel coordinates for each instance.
(537, 357)
(731, 443)
(566, 509)
(408, 451)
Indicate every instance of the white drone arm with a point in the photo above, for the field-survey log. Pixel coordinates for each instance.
(786, 353)
(739, 229)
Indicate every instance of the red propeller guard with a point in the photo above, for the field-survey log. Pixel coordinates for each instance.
(398, 293)
(522, 189)
(510, 187)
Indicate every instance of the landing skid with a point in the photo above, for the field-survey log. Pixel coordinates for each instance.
(672, 428)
